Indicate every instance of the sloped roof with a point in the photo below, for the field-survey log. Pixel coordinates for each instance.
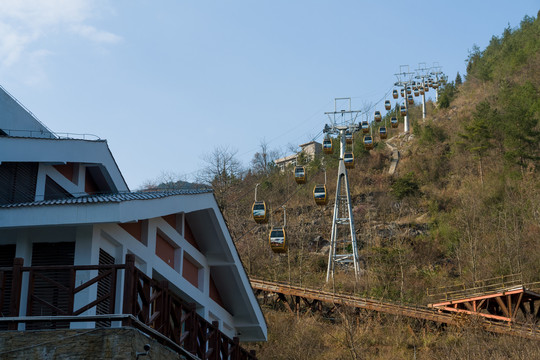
(110, 198)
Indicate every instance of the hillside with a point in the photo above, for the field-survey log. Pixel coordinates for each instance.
(463, 206)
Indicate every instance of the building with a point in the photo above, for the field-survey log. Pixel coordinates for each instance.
(309, 149)
(118, 257)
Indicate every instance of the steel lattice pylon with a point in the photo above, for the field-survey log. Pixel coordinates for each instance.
(343, 232)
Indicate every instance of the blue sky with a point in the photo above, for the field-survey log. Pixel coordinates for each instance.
(167, 81)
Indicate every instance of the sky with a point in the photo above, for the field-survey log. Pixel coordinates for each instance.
(166, 82)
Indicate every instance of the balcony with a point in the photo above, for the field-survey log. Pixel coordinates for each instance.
(121, 296)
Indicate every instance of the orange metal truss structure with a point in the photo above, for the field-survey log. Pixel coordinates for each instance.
(515, 304)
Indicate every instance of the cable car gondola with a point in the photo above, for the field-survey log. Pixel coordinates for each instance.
(395, 94)
(348, 159)
(327, 145)
(435, 84)
(348, 137)
(300, 174)
(421, 89)
(402, 93)
(387, 104)
(410, 99)
(378, 116)
(365, 127)
(319, 194)
(426, 87)
(403, 110)
(408, 90)
(368, 142)
(382, 132)
(394, 122)
(260, 214)
(416, 92)
(278, 239)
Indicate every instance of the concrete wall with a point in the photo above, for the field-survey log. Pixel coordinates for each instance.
(118, 344)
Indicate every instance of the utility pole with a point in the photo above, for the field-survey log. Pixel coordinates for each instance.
(342, 120)
(404, 79)
(422, 74)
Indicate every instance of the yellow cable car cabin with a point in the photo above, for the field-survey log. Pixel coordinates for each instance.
(402, 93)
(300, 174)
(278, 240)
(409, 90)
(421, 89)
(382, 132)
(416, 92)
(348, 137)
(327, 146)
(348, 159)
(319, 195)
(410, 99)
(365, 127)
(403, 110)
(395, 94)
(394, 122)
(378, 116)
(260, 214)
(435, 84)
(368, 142)
(387, 104)
(426, 87)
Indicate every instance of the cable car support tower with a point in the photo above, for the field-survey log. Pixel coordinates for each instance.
(342, 122)
(404, 78)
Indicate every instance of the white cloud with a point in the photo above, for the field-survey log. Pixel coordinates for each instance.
(93, 34)
(24, 22)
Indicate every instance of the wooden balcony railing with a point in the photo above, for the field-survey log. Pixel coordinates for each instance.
(150, 304)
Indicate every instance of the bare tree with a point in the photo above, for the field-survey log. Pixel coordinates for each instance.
(263, 159)
(222, 169)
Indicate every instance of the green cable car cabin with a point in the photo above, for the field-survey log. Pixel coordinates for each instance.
(387, 104)
(365, 127)
(382, 132)
(403, 110)
(368, 142)
(300, 174)
(395, 94)
(378, 116)
(278, 240)
(348, 159)
(394, 122)
(260, 213)
(319, 194)
(327, 146)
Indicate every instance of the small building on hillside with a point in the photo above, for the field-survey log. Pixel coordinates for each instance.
(309, 149)
(78, 249)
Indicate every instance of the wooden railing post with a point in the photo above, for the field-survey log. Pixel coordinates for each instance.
(129, 286)
(191, 324)
(214, 342)
(236, 349)
(16, 286)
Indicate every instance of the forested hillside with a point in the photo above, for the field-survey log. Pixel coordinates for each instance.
(464, 205)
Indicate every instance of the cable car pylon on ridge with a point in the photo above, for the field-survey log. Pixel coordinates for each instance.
(340, 253)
